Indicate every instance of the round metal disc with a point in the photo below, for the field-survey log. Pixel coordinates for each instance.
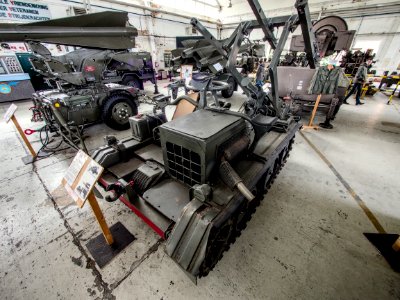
(331, 23)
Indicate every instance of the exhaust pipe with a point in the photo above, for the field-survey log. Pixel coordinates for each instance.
(233, 180)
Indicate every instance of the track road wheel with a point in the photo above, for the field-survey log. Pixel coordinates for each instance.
(218, 243)
(116, 111)
(227, 93)
(132, 81)
(221, 238)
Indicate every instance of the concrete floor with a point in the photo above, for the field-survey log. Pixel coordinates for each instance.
(304, 242)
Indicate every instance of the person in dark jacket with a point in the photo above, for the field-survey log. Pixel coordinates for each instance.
(260, 75)
(358, 82)
(245, 72)
(329, 79)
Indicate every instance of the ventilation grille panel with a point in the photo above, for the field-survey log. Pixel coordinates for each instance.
(184, 165)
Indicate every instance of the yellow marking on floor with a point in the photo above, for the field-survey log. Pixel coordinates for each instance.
(357, 198)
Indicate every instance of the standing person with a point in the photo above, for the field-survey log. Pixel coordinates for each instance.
(244, 72)
(267, 64)
(329, 79)
(358, 82)
(260, 74)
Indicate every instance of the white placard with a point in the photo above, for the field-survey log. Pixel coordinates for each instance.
(300, 85)
(10, 112)
(186, 72)
(81, 177)
(75, 167)
(88, 179)
(218, 67)
(22, 11)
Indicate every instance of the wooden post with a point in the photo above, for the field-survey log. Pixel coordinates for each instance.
(100, 218)
(22, 134)
(310, 123)
(396, 245)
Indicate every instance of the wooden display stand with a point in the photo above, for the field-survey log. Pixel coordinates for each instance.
(100, 218)
(10, 116)
(79, 182)
(310, 123)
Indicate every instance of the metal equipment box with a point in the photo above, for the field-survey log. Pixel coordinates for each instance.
(14, 83)
(139, 127)
(192, 143)
(142, 126)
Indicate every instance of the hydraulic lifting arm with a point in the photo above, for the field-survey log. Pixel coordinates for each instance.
(262, 20)
(303, 18)
(310, 43)
(229, 49)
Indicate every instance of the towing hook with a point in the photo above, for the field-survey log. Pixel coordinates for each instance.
(117, 190)
(29, 131)
(112, 198)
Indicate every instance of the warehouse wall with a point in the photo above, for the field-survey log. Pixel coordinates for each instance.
(163, 32)
(386, 31)
(157, 32)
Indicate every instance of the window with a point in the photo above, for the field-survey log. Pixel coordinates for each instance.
(364, 45)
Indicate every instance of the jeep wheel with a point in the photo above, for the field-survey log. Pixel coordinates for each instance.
(227, 93)
(116, 111)
(132, 81)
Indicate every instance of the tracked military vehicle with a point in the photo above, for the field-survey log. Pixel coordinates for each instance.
(197, 179)
(86, 81)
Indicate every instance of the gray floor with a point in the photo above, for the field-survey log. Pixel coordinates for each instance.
(305, 241)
